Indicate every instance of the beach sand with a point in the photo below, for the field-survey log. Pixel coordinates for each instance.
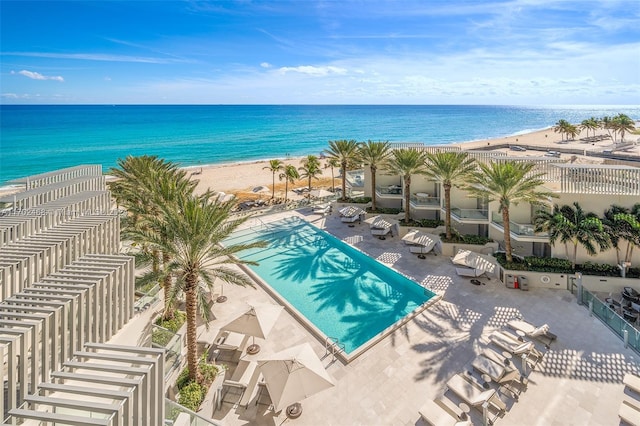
(240, 178)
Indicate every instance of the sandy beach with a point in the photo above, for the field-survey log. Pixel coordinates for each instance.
(241, 178)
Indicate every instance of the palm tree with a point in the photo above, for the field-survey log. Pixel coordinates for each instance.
(572, 225)
(607, 124)
(571, 132)
(449, 168)
(196, 226)
(590, 124)
(508, 183)
(144, 184)
(561, 127)
(375, 155)
(622, 123)
(621, 224)
(332, 163)
(290, 175)
(274, 167)
(406, 163)
(310, 168)
(344, 152)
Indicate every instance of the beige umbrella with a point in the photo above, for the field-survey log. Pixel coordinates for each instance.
(351, 211)
(425, 241)
(257, 321)
(293, 375)
(320, 193)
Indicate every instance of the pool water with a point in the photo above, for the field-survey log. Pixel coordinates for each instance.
(346, 294)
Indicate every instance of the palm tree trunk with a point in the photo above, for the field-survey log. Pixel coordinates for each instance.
(192, 348)
(333, 181)
(286, 190)
(447, 209)
(373, 189)
(166, 288)
(273, 186)
(507, 234)
(407, 194)
(575, 254)
(343, 169)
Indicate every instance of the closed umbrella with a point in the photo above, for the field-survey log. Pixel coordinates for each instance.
(257, 321)
(293, 375)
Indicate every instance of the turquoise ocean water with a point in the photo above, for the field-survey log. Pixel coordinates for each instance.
(39, 138)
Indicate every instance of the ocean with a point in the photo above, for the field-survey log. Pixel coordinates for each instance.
(40, 138)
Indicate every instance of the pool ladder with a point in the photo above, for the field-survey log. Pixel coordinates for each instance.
(259, 225)
(333, 346)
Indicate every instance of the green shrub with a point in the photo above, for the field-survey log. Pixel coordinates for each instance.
(466, 239)
(384, 210)
(358, 200)
(192, 395)
(562, 266)
(161, 337)
(174, 323)
(422, 223)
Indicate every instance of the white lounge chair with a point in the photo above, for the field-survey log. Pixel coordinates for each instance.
(632, 382)
(381, 232)
(241, 377)
(231, 341)
(629, 412)
(435, 415)
(541, 333)
(516, 347)
(469, 272)
(474, 394)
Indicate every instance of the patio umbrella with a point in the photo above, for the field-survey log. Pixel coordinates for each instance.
(425, 241)
(257, 321)
(320, 193)
(379, 222)
(350, 211)
(293, 375)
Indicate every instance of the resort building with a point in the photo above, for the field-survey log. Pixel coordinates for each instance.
(596, 187)
(75, 335)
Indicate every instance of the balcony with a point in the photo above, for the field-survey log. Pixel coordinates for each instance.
(423, 200)
(470, 215)
(520, 229)
(389, 191)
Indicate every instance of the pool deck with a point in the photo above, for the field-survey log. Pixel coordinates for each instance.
(578, 382)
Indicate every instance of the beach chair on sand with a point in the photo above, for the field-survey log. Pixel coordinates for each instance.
(435, 415)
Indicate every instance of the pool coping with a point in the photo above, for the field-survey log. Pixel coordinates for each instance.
(306, 323)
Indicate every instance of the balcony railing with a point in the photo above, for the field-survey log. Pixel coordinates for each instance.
(618, 324)
(470, 214)
(389, 190)
(522, 229)
(424, 201)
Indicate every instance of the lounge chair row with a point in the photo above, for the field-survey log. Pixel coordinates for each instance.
(629, 411)
(493, 367)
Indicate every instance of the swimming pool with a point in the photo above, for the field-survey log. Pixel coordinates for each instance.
(343, 293)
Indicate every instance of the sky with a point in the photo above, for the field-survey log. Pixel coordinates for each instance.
(501, 52)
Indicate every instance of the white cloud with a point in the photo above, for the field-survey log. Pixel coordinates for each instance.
(37, 76)
(314, 71)
(265, 65)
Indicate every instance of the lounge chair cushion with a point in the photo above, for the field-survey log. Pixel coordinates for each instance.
(632, 381)
(629, 413)
(471, 393)
(435, 415)
(531, 330)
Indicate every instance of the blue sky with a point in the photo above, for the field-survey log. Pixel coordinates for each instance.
(516, 52)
